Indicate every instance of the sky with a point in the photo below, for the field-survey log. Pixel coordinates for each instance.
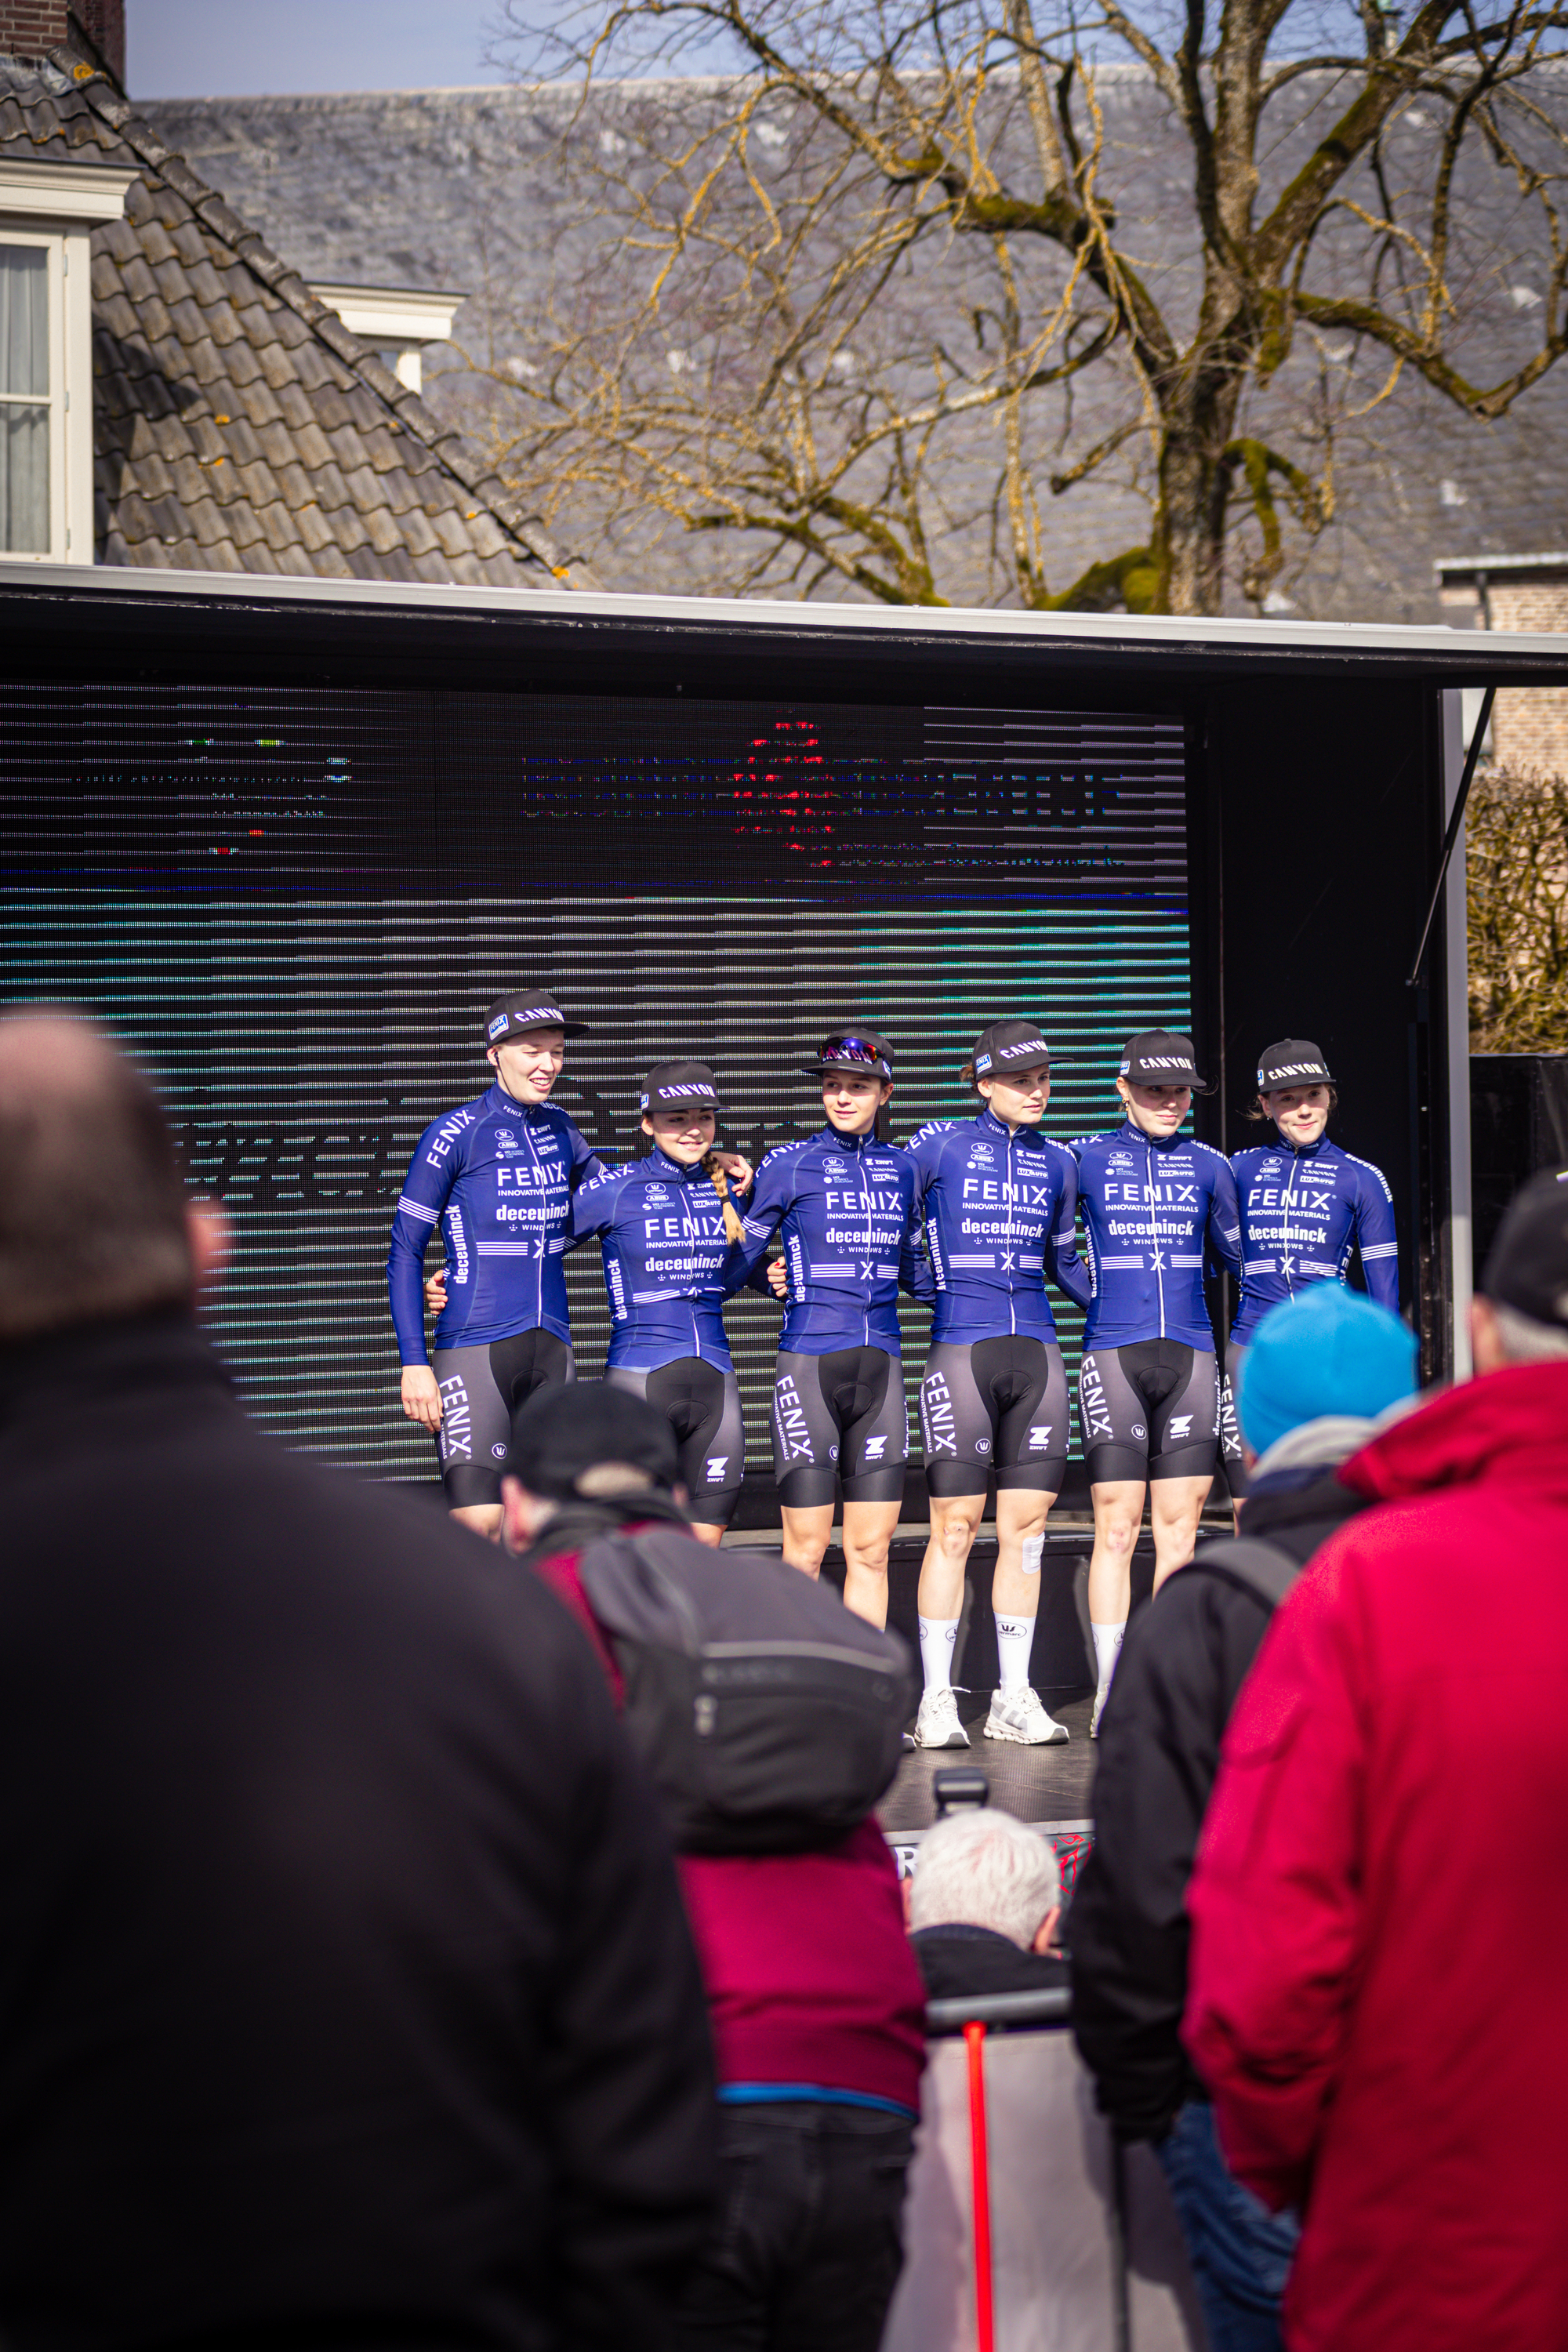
(232, 48)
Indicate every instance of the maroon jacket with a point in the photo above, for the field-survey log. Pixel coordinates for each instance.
(1380, 1908)
(809, 1968)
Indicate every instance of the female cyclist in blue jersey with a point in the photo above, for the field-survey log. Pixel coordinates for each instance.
(497, 1176)
(666, 1227)
(1305, 1205)
(998, 1199)
(1154, 1203)
(843, 1202)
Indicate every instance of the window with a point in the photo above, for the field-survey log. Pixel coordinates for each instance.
(397, 321)
(48, 212)
(25, 388)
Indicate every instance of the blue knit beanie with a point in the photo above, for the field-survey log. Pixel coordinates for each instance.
(1327, 1350)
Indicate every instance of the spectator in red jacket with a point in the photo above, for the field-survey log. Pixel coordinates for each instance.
(816, 2003)
(1380, 1909)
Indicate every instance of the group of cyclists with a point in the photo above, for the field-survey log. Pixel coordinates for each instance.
(978, 1217)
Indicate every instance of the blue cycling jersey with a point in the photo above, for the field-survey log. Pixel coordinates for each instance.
(999, 1211)
(498, 1177)
(661, 1228)
(1149, 1209)
(1302, 1213)
(845, 1204)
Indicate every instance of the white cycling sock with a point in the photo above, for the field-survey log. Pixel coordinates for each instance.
(1015, 1640)
(1107, 1647)
(938, 1636)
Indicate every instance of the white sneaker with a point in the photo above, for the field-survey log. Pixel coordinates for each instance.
(1100, 1698)
(1018, 1715)
(937, 1724)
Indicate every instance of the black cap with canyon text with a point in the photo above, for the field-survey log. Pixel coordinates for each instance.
(1293, 1062)
(676, 1085)
(1009, 1046)
(1527, 1266)
(1162, 1057)
(862, 1052)
(528, 1008)
(565, 1435)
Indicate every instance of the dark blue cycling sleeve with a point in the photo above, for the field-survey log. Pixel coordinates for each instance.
(1063, 1264)
(1224, 1217)
(914, 1267)
(436, 1164)
(772, 1189)
(1375, 1236)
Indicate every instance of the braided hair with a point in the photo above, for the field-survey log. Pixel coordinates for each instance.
(733, 1228)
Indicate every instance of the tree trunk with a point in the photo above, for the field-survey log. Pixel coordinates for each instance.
(1198, 422)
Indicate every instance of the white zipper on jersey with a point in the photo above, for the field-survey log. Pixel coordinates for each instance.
(1154, 1234)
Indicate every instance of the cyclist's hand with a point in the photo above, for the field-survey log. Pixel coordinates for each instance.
(421, 1396)
(737, 1167)
(436, 1292)
(778, 1277)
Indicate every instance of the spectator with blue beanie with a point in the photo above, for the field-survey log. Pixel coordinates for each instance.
(1324, 1368)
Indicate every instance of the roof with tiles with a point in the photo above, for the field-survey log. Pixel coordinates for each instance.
(461, 187)
(239, 424)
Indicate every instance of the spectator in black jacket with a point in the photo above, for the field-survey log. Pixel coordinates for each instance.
(347, 1996)
(1324, 1367)
(984, 1905)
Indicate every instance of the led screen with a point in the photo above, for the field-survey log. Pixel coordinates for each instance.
(295, 905)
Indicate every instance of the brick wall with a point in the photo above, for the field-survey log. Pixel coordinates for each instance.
(31, 29)
(1530, 726)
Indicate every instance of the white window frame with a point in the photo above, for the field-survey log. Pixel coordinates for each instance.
(58, 206)
(401, 319)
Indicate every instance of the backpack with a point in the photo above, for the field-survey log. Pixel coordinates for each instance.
(769, 1717)
(1265, 1570)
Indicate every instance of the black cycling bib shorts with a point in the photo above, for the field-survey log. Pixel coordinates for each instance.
(481, 1387)
(994, 1405)
(1229, 1423)
(839, 1419)
(702, 1406)
(1149, 1410)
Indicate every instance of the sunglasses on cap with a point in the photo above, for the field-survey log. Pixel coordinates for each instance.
(852, 1049)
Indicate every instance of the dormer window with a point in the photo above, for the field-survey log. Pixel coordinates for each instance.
(397, 321)
(48, 212)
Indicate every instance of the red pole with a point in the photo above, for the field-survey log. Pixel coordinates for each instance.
(985, 2323)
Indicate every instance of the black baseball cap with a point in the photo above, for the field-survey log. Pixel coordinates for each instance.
(675, 1085)
(528, 1008)
(862, 1051)
(566, 1432)
(1162, 1057)
(1009, 1047)
(1527, 1266)
(1293, 1062)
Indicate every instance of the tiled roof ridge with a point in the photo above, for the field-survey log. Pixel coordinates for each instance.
(282, 280)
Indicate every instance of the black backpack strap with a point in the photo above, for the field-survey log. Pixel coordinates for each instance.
(1266, 1570)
